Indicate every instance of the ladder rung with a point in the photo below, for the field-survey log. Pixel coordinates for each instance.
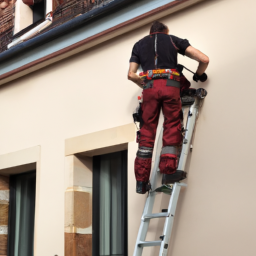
(149, 243)
(156, 215)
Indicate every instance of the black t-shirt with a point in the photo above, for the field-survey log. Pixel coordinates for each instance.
(168, 47)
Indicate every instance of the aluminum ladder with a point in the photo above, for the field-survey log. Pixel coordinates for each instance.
(169, 215)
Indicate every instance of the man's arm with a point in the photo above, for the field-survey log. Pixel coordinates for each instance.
(203, 60)
(133, 76)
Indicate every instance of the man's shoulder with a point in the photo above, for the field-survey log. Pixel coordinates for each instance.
(143, 39)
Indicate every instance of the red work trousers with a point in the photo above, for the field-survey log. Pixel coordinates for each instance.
(159, 94)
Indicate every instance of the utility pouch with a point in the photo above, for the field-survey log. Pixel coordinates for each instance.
(184, 83)
(137, 114)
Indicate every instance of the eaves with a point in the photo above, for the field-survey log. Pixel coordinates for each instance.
(43, 50)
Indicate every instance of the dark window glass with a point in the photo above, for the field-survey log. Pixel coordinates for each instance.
(22, 214)
(39, 11)
(110, 204)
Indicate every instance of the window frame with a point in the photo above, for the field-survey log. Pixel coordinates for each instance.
(12, 213)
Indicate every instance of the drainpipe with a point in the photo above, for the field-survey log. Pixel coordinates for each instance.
(32, 32)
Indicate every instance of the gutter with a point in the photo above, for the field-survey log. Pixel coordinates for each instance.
(62, 29)
(93, 40)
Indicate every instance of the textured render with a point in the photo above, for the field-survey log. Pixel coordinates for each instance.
(4, 214)
(78, 212)
(78, 245)
(4, 210)
(82, 209)
(3, 245)
(4, 182)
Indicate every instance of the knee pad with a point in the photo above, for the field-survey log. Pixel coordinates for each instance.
(144, 152)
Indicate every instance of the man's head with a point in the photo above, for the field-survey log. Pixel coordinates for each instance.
(159, 27)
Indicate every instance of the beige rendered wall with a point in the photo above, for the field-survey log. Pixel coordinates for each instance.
(216, 212)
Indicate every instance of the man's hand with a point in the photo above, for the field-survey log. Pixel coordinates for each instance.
(203, 60)
(133, 76)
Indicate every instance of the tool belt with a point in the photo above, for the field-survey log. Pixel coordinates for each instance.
(171, 74)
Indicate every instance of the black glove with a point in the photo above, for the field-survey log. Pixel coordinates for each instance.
(201, 78)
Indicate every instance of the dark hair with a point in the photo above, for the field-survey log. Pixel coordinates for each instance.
(158, 27)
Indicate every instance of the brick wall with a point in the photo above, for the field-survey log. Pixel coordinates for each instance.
(4, 208)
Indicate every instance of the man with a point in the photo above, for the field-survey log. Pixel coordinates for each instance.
(159, 51)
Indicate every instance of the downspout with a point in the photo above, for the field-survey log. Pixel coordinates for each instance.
(32, 32)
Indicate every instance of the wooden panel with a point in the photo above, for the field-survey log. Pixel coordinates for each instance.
(3, 245)
(78, 244)
(4, 182)
(4, 214)
(82, 209)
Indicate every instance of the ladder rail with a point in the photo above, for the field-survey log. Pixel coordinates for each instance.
(191, 121)
(147, 212)
(142, 233)
(168, 225)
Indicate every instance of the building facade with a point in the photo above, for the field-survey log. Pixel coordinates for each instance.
(66, 106)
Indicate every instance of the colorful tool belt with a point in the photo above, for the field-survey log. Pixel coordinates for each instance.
(160, 73)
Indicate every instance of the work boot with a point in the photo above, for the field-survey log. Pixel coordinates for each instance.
(143, 187)
(175, 177)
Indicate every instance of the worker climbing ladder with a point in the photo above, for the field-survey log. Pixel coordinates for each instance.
(173, 189)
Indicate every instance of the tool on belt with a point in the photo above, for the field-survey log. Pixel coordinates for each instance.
(160, 73)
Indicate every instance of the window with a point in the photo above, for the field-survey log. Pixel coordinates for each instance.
(22, 214)
(38, 11)
(110, 204)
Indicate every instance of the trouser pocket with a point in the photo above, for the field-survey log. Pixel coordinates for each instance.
(148, 85)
